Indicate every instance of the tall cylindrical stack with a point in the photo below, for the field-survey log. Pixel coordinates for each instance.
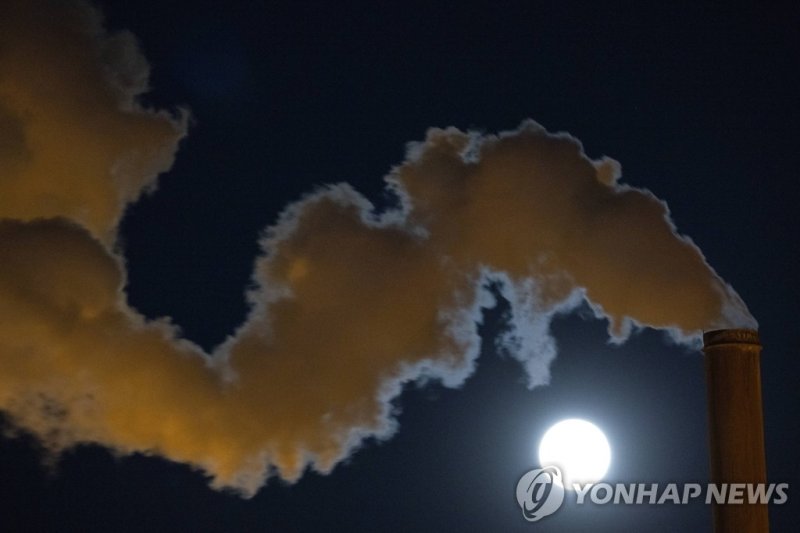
(736, 426)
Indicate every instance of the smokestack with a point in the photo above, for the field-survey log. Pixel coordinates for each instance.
(736, 426)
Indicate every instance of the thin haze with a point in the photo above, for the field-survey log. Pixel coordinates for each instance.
(347, 305)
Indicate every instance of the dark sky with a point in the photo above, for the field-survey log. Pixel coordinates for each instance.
(699, 104)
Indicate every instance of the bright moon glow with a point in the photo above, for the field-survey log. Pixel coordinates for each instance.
(578, 448)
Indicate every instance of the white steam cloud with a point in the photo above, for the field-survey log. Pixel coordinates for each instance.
(348, 305)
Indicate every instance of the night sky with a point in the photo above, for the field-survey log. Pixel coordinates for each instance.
(698, 102)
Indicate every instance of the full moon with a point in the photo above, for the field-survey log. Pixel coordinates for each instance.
(578, 448)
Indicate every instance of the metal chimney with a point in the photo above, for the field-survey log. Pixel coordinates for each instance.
(735, 422)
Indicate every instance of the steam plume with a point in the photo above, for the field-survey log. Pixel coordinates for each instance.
(348, 305)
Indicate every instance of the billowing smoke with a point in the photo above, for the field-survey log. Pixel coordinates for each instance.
(348, 304)
(75, 141)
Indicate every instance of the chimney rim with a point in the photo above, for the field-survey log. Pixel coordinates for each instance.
(731, 336)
